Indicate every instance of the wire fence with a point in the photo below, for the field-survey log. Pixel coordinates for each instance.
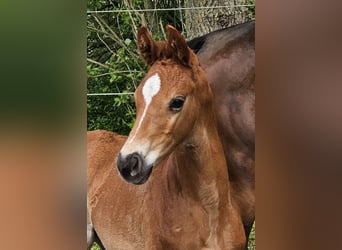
(99, 94)
(237, 9)
(168, 9)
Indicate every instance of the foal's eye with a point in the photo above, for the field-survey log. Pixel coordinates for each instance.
(176, 103)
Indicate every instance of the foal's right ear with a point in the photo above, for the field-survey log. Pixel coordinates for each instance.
(147, 46)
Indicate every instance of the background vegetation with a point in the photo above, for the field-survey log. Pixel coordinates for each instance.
(113, 63)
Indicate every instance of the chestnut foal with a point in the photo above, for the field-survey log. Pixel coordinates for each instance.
(185, 202)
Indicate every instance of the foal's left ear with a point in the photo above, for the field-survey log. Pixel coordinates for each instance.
(178, 45)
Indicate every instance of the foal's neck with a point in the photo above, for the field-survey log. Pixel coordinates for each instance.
(199, 173)
(199, 162)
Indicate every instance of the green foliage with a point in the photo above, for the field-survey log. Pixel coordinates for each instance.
(114, 65)
(96, 247)
(251, 9)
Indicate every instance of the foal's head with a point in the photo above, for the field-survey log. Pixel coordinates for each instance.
(169, 101)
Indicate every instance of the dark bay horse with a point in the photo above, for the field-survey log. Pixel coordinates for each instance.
(169, 187)
(228, 58)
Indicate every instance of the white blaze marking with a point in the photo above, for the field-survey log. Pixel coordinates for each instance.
(150, 89)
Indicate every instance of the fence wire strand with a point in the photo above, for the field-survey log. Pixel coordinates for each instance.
(110, 94)
(166, 9)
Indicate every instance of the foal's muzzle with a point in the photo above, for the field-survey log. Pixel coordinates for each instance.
(133, 168)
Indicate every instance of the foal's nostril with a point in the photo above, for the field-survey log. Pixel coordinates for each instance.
(135, 165)
(130, 166)
(133, 168)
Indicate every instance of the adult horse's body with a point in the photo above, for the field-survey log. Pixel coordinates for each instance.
(185, 202)
(228, 58)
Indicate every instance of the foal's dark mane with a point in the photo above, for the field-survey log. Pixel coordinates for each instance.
(248, 29)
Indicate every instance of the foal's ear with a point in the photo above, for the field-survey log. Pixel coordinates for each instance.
(178, 45)
(147, 46)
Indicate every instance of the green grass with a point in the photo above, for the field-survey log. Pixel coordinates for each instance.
(251, 240)
(95, 247)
